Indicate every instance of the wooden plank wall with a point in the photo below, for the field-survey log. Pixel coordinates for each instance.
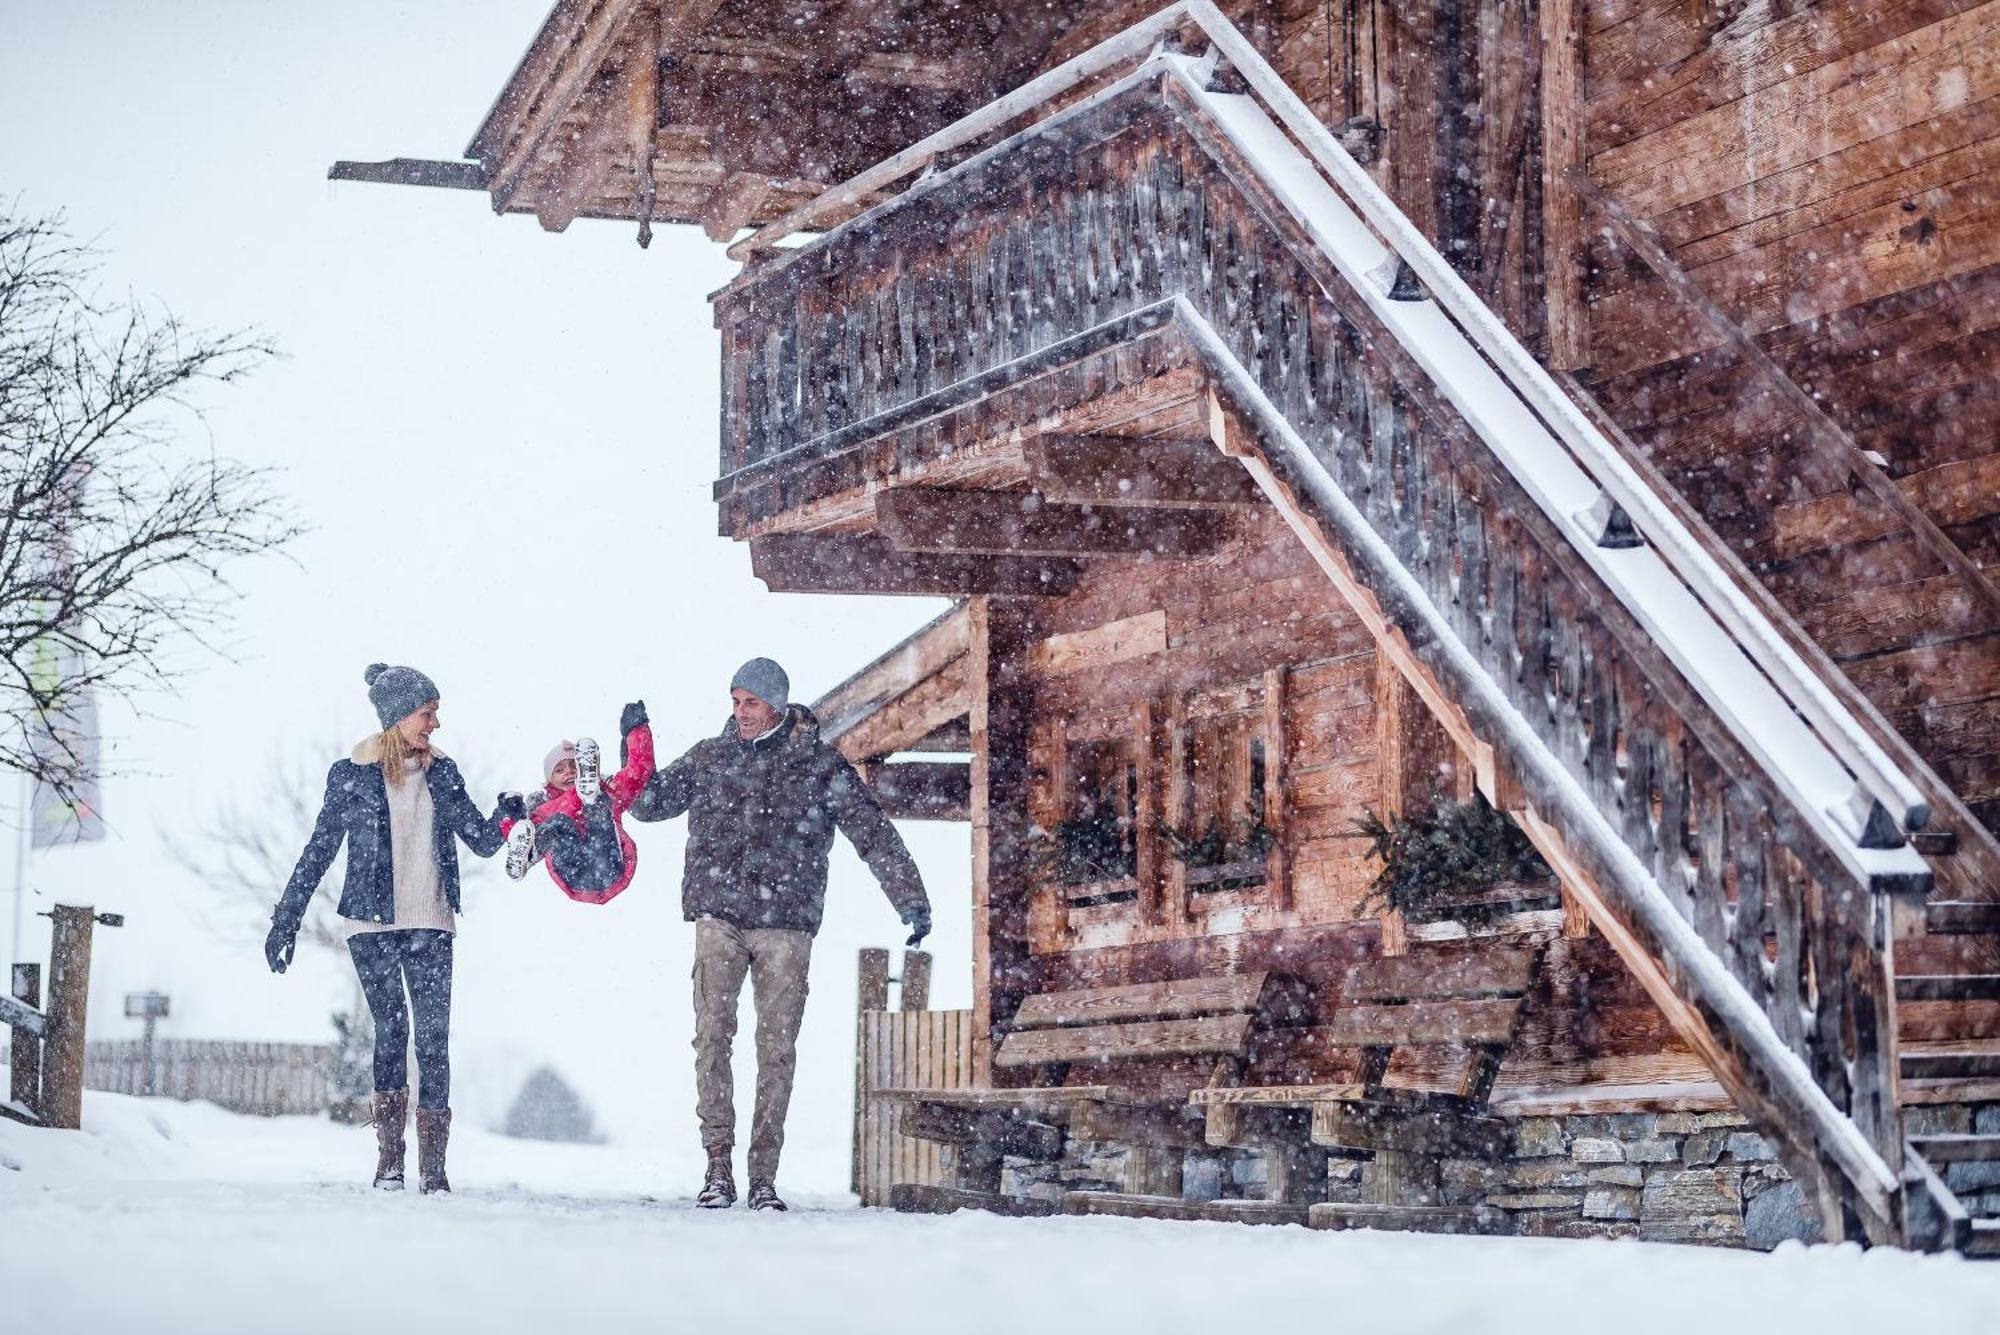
(1828, 174)
(906, 1050)
(1218, 625)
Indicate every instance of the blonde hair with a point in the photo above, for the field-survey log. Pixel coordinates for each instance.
(396, 755)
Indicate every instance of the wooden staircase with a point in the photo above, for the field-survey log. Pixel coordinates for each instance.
(1949, 1168)
(1729, 827)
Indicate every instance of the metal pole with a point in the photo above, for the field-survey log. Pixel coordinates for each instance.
(69, 997)
(22, 837)
(148, 1086)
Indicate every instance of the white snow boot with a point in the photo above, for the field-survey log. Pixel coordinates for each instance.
(589, 782)
(520, 849)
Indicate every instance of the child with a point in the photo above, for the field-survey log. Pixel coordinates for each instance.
(578, 822)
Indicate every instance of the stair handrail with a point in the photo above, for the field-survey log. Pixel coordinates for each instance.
(1801, 687)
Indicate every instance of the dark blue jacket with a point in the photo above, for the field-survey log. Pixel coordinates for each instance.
(356, 809)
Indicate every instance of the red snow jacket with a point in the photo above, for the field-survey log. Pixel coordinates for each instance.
(621, 788)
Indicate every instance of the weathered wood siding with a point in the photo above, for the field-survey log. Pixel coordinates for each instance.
(1259, 605)
(1827, 173)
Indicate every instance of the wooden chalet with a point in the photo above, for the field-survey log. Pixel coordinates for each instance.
(1313, 406)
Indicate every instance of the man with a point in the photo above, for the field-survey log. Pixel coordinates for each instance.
(763, 800)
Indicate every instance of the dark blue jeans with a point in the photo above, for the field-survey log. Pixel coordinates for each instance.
(387, 962)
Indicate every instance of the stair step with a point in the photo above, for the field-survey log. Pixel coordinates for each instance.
(1957, 1149)
(1949, 987)
(1951, 1065)
(1985, 1238)
(1963, 916)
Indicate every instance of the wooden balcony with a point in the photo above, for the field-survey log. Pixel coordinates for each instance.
(1110, 332)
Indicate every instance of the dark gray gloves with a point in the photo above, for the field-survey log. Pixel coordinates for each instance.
(279, 945)
(512, 806)
(633, 717)
(918, 920)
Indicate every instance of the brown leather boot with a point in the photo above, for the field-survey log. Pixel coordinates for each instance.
(718, 1188)
(433, 1132)
(392, 1109)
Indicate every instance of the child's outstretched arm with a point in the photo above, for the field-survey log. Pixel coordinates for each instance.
(637, 753)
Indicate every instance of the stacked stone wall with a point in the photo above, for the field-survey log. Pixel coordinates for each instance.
(1706, 1178)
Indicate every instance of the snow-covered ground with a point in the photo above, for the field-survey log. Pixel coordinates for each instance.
(169, 1217)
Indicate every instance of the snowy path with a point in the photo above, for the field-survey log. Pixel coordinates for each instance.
(240, 1225)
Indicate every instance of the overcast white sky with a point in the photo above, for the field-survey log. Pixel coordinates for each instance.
(504, 442)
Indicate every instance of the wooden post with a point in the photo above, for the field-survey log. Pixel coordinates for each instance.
(916, 980)
(69, 998)
(872, 994)
(1277, 868)
(1563, 236)
(26, 1085)
(1000, 717)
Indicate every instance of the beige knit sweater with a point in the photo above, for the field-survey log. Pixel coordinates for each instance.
(413, 852)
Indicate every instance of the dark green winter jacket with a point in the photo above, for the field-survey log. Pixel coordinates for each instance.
(761, 817)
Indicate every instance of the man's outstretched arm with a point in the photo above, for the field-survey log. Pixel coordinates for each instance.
(874, 837)
(668, 793)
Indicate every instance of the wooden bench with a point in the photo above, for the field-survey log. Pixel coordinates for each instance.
(1118, 1031)
(1455, 1013)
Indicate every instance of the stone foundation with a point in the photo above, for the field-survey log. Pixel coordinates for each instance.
(1703, 1178)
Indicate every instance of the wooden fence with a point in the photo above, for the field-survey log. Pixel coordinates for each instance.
(906, 1050)
(268, 1079)
(910, 1048)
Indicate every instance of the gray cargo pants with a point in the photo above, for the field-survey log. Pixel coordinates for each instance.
(776, 960)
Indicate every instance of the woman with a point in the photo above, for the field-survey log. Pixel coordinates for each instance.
(397, 803)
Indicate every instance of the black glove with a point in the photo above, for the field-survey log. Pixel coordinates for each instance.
(279, 945)
(512, 806)
(633, 717)
(918, 920)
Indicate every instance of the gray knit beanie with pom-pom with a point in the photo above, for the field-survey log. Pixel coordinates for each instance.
(397, 692)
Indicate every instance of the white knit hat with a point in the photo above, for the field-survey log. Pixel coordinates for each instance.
(558, 753)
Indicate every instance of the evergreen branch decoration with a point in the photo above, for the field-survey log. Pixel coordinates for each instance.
(1431, 859)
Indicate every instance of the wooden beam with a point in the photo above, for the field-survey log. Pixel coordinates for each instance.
(1176, 999)
(579, 176)
(1096, 648)
(985, 523)
(734, 203)
(924, 790)
(1562, 208)
(938, 699)
(412, 171)
(847, 563)
(1418, 1130)
(863, 695)
(1000, 1130)
(1129, 471)
(565, 81)
(1002, 697)
(1140, 1039)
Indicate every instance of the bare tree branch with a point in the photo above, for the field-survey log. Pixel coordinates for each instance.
(115, 537)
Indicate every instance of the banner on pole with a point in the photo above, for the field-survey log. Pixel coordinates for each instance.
(66, 743)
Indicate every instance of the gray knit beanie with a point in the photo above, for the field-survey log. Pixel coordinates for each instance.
(397, 692)
(765, 680)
